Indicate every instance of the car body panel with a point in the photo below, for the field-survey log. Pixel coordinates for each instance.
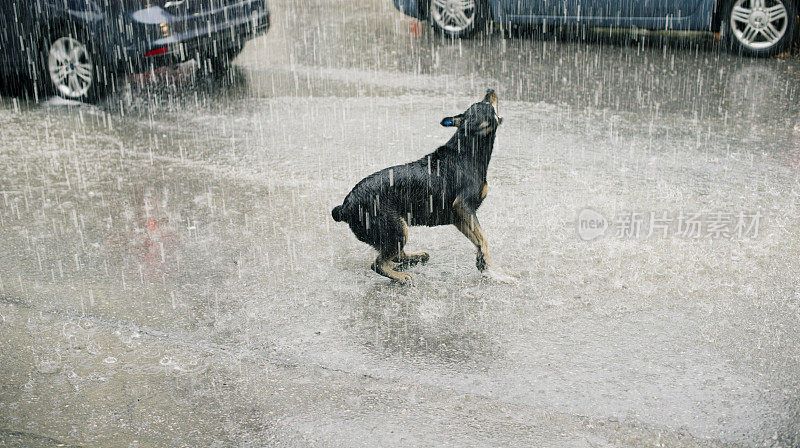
(601, 13)
(648, 14)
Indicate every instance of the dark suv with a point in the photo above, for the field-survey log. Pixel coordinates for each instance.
(77, 48)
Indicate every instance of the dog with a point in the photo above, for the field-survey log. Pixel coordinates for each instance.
(445, 187)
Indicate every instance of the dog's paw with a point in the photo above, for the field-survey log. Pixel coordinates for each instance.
(403, 278)
(481, 263)
(418, 257)
(411, 259)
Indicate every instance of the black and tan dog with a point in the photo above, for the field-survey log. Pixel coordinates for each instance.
(445, 187)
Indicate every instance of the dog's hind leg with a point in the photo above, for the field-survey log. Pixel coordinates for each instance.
(410, 258)
(392, 233)
(467, 223)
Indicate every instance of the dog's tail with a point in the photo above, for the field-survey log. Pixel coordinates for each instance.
(337, 213)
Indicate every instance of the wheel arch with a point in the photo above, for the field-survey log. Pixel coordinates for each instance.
(53, 25)
(422, 9)
(494, 7)
(716, 17)
(88, 23)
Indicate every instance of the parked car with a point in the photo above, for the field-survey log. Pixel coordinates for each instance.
(751, 27)
(77, 48)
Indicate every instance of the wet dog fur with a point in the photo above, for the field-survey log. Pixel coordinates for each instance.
(445, 187)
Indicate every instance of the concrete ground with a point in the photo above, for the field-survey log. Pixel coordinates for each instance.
(171, 274)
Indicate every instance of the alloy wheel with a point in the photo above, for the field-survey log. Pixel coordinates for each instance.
(759, 24)
(453, 16)
(70, 67)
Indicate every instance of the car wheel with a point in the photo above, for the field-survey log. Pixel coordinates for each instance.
(760, 27)
(71, 68)
(457, 18)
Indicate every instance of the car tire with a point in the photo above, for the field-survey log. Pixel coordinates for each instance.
(759, 28)
(71, 68)
(457, 19)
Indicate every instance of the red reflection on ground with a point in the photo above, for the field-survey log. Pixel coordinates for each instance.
(142, 232)
(159, 239)
(416, 28)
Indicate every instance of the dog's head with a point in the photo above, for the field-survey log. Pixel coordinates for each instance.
(480, 119)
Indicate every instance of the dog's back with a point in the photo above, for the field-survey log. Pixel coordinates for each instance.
(417, 191)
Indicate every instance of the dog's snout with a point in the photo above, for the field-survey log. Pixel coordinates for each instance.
(491, 98)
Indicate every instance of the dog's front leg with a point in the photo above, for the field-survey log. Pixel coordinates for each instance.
(467, 223)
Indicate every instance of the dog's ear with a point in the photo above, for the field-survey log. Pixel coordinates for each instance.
(453, 121)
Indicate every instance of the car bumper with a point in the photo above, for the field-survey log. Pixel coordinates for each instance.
(161, 41)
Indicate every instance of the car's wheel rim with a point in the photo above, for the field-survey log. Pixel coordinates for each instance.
(453, 15)
(70, 67)
(759, 24)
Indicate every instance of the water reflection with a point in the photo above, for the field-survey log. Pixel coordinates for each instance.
(145, 233)
(449, 326)
(175, 88)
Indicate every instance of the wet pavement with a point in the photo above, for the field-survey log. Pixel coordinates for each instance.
(172, 275)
